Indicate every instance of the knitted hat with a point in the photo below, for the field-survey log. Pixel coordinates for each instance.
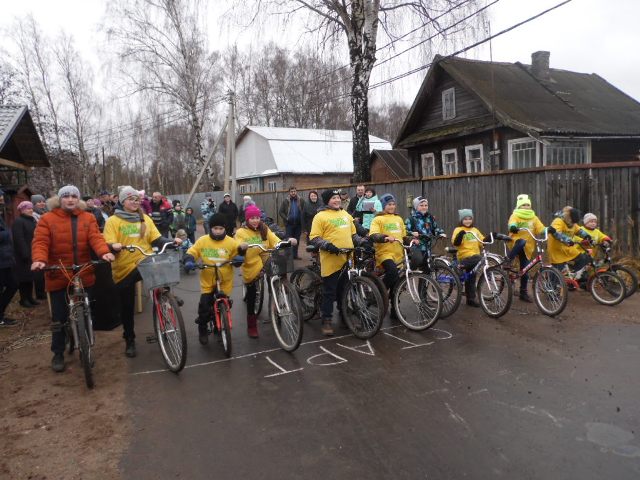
(227, 195)
(218, 220)
(586, 219)
(69, 190)
(251, 211)
(37, 198)
(465, 212)
(417, 201)
(246, 198)
(25, 205)
(327, 194)
(127, 192)
(97, 202)
(387, 198)
(523, 199)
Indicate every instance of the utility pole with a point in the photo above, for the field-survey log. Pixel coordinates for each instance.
(231, 139)
(230, 143)
(104, 174)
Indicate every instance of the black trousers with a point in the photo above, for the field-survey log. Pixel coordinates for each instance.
(330, 286)
(38, 280)
(8, 288)
(470, 285)
(126, 297)
(391, 274)
(205, 308)
(518, 251)
(294, 231)
(250, 297)
(60, 316)
(26, 291)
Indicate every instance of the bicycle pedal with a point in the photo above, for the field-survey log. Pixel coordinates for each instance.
(180, 302)
(151, 339)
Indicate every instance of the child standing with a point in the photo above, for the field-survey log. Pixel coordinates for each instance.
(468, 250)
(190, 220)
(210, 249)
(423, 226)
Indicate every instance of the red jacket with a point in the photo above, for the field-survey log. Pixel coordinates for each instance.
(53, 242)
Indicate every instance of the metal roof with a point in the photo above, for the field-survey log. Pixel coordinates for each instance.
(396, 160)
(19, 140)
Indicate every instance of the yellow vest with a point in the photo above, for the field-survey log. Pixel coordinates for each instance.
(335, 226)
(254, 258)
(469, 245)
(211, 252)
(558, 251)
(596, 236)
(536, 227)
(393, 226)
(117, 230)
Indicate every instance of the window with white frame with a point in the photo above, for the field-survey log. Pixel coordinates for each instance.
(271, 186)
(566, 152)
(449, 104)
(428, 165)
(243, 188)
(474, 158)
(449, 162)
(523, 153)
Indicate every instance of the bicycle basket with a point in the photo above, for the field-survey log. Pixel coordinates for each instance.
(160, 270)
(279, 262)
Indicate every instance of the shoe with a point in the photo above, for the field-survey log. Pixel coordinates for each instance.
(57, 363)
(130, 350)
(26, 304)
(524, 297)
(327, 328)
(252, 327)
(203, 334)
(33, 302)
(41, 296)
(8, 322)
(472, 303)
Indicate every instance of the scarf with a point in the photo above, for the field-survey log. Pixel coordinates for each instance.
(128, 216)
(524, 213)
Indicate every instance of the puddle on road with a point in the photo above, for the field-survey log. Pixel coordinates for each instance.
(612, 439)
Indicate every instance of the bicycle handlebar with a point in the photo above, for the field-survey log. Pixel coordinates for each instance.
(540, 240)
(50, 268)
(133, 248)
(279, 245)
(499, 236)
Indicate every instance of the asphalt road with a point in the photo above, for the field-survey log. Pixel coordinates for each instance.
(525, 396)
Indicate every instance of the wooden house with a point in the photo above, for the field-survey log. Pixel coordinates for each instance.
(475, 116)
(389, 165)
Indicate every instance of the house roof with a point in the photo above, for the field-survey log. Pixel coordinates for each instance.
(397, 161)
(569, 104)
(19, 140)
(314, 151)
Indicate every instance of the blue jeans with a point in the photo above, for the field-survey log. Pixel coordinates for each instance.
(518, 251)
(294, 231)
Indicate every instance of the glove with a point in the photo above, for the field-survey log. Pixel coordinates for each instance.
(607, 239)
(587, 237)
(586, 242)
(571, 243)
(331, 248)
(189, 265)
(551, 230)
(459, 237)
(513, 229)
(237, 261)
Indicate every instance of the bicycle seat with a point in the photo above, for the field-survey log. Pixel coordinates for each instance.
(450, 249)
(311, 249)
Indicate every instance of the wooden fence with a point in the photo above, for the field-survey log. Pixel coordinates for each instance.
(611, 191)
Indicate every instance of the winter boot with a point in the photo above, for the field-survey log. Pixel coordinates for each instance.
(327, 328)
(130, 350)
(252, 327)
(203, 334)
(57, 362)
(524, 296)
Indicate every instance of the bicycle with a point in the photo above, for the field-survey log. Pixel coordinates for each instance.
(628, 276)
(494, 288)
(549, 289)
(160, 271)
(605, 286)
(79, 326)
(220, 321)
(284, 305)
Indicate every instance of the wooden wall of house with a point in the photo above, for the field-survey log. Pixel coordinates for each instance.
(611, 192)
(617, 150)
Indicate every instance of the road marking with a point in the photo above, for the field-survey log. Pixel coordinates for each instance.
(371, 352)
(326, 352)
(411, 344)
(282, 370)
(457, 417)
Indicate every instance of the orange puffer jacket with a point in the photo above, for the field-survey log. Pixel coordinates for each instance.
(53, 242)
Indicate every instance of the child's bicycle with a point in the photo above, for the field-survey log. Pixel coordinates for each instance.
(284, 305)
(494, 288)
(220, 322)
(549, 290)
(605, 286)
(308, 283)
(79, 326)
(628, 276)
(160, 271)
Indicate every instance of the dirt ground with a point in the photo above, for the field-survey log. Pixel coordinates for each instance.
(51, 425)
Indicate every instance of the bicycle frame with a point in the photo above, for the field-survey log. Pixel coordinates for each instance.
(220, 296)
(538, 259)
(483, 263)
(274, 278)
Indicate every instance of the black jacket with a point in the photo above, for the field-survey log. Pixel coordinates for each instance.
(286, 206)
(229, 210)
(22, 230)
(310, 210)
(6, 246)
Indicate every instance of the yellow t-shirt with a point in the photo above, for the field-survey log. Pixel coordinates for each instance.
(596, 236)
(335, 226)
(212, 251)
(469, 246)
(558, 251)
(253, 259)
(388, 225)
(117, 230)
(536, 227)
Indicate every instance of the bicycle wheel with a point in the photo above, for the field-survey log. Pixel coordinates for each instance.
(225, 326)
(495, 292)
(170, 331)
(607, 288)
(449, 282)
(257, 306)
(628, 276)
(82, 319)
(550, 291)
(288, 322)
(362, 307)
(308, 284)
(381, 287)
(418, 301)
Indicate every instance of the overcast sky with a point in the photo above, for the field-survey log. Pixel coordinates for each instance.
(591, 36)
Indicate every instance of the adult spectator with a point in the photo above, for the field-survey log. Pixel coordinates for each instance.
(179, 221)
(39, 206)
(344, 199)
(107, 203)
(98, 204)
(310, 209)
(292, 214)
(145, 202)
(355, 204)
(22, 230)
(161, 213)
(67, 235)
(90, 207)
(8, 285)
(230, 211)
(245, 203)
